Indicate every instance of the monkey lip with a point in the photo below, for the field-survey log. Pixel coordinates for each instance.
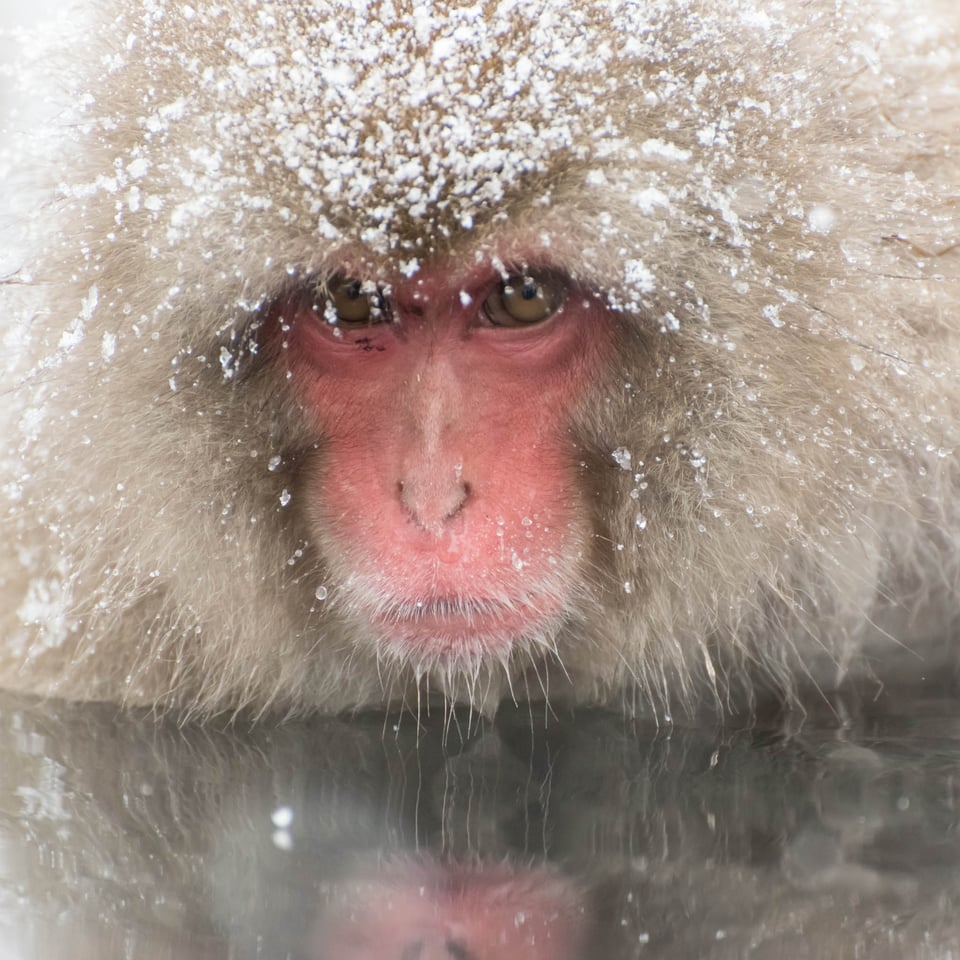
(467, 626)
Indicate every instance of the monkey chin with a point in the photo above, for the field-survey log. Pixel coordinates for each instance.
(445, 610)
(458, 635)
(453, 630)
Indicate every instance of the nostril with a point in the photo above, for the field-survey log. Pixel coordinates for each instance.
(432, 501)
(456, 497)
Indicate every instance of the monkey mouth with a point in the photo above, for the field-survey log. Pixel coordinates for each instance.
(470, 627)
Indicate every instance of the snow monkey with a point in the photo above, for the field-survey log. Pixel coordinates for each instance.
(366, 352)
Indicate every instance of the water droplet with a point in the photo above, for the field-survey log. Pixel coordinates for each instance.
(282, 840)
(821, 218)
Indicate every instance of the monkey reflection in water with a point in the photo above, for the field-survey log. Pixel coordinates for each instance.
(592, 837)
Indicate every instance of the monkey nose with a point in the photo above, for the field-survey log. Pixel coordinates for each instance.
(432, 502)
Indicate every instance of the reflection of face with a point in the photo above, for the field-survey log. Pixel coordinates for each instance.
(424, 911)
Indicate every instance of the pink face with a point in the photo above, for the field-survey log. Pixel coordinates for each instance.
(448, 503)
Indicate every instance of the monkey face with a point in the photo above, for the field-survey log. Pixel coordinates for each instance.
(446, 497)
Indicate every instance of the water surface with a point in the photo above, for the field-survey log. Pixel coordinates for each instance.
(588, 836)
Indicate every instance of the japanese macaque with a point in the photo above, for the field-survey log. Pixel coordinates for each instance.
(367, 353)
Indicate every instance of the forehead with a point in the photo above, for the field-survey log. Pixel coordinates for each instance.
(410, 116)
(413, 111)
(298, 133)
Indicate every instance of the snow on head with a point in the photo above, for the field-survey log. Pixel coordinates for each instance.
(380, 123)
(384, 134)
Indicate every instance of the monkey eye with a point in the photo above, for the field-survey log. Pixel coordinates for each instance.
(354, 303)
(522, 300)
